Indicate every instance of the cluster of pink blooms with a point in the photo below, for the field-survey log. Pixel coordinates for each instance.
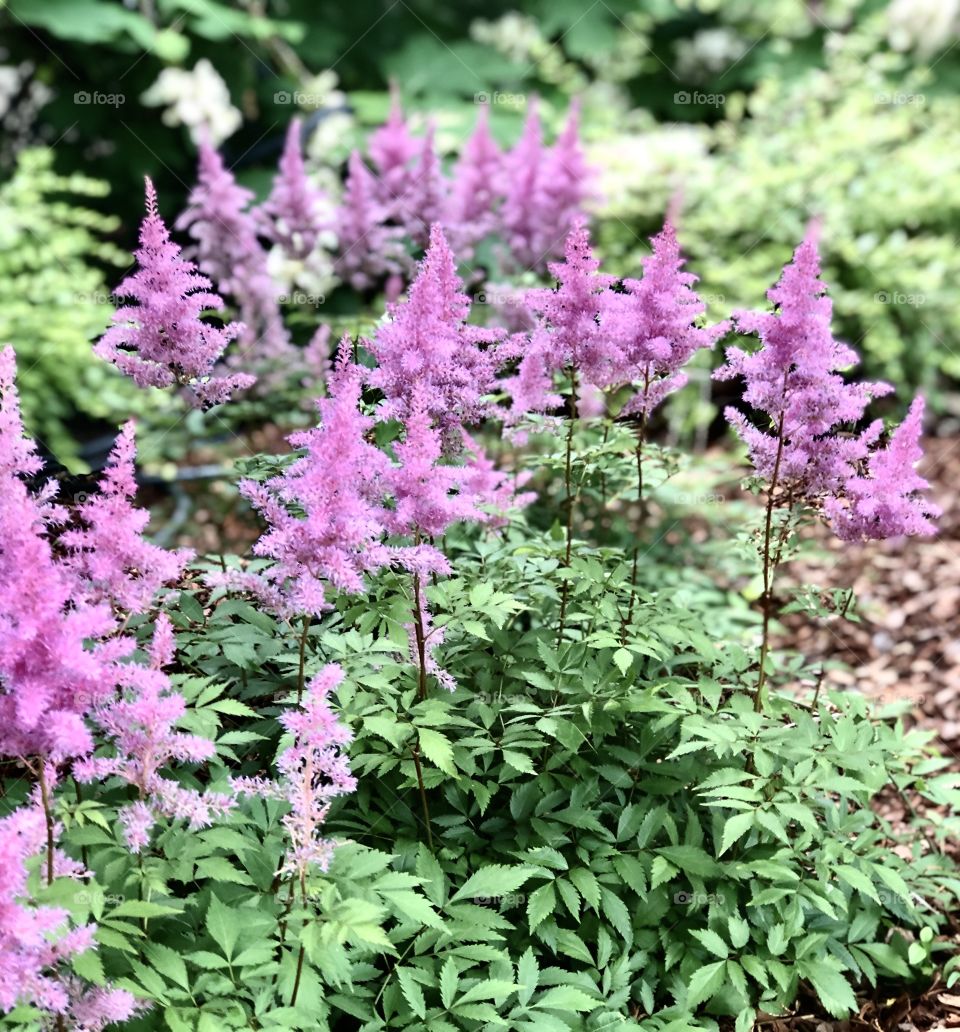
(295, 214)
(795, 380)
(315, 770)
(606, 338)
(141, 723)
(346, 508)
(162, 339)
(526, 198)
(653, 327)
(228, 250)
(70, 576)
(426, 349)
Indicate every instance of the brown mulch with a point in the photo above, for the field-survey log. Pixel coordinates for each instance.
(906, 646)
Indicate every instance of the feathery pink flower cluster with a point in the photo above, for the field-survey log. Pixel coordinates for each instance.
(108, 549)
(473, 193)
(605, 338)
(295, 215)
(141, 723)
(427, 350)
(162, 340)
(338, 485)
(35, 940)
(227, 249)
(392, 149)
(652, 326)
(315, 770)
(886, 502)
(427, 494)
(369, 249)
(544, 192)
(795, 379)
(55, 659)
(568, 336)
(528, 197)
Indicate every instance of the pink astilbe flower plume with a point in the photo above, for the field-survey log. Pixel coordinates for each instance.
(426, 350)
(521, 172)
(794, 379)
(323, 514)
(141, 724)
(427, 496)
(48, 674)
(33, 939)
(161, 340)
(652, 326)
(470, 208)
(393, 149)
(227, 250)
(885, 501)
(369, 250)
(314, 769)
(564, 186)
(491, 490)
(295, 214)
(425, 200)
(570, 335)
(108, 549)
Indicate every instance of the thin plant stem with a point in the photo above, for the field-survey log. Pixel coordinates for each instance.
(301, 672)
(47, 815)
(300, 954)
(415, 750)
(641, 441)
(568, 488)
(48, 819)
(421, 639)
(769, 568)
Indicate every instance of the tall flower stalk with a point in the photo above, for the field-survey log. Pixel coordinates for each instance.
(570, 342)
(803, 460)
(653, 325)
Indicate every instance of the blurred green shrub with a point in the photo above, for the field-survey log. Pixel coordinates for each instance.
(865, 147)
(54, 301)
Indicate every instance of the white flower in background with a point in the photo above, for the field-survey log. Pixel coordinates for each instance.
(708, 52)
(308, 280)
(199, 100)
(515, 35)
(925, 26)
(636, 166)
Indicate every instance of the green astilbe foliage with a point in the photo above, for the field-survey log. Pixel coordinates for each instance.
(591, 833)
(54, 301)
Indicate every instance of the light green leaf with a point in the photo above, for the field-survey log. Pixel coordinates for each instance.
(437, 749)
